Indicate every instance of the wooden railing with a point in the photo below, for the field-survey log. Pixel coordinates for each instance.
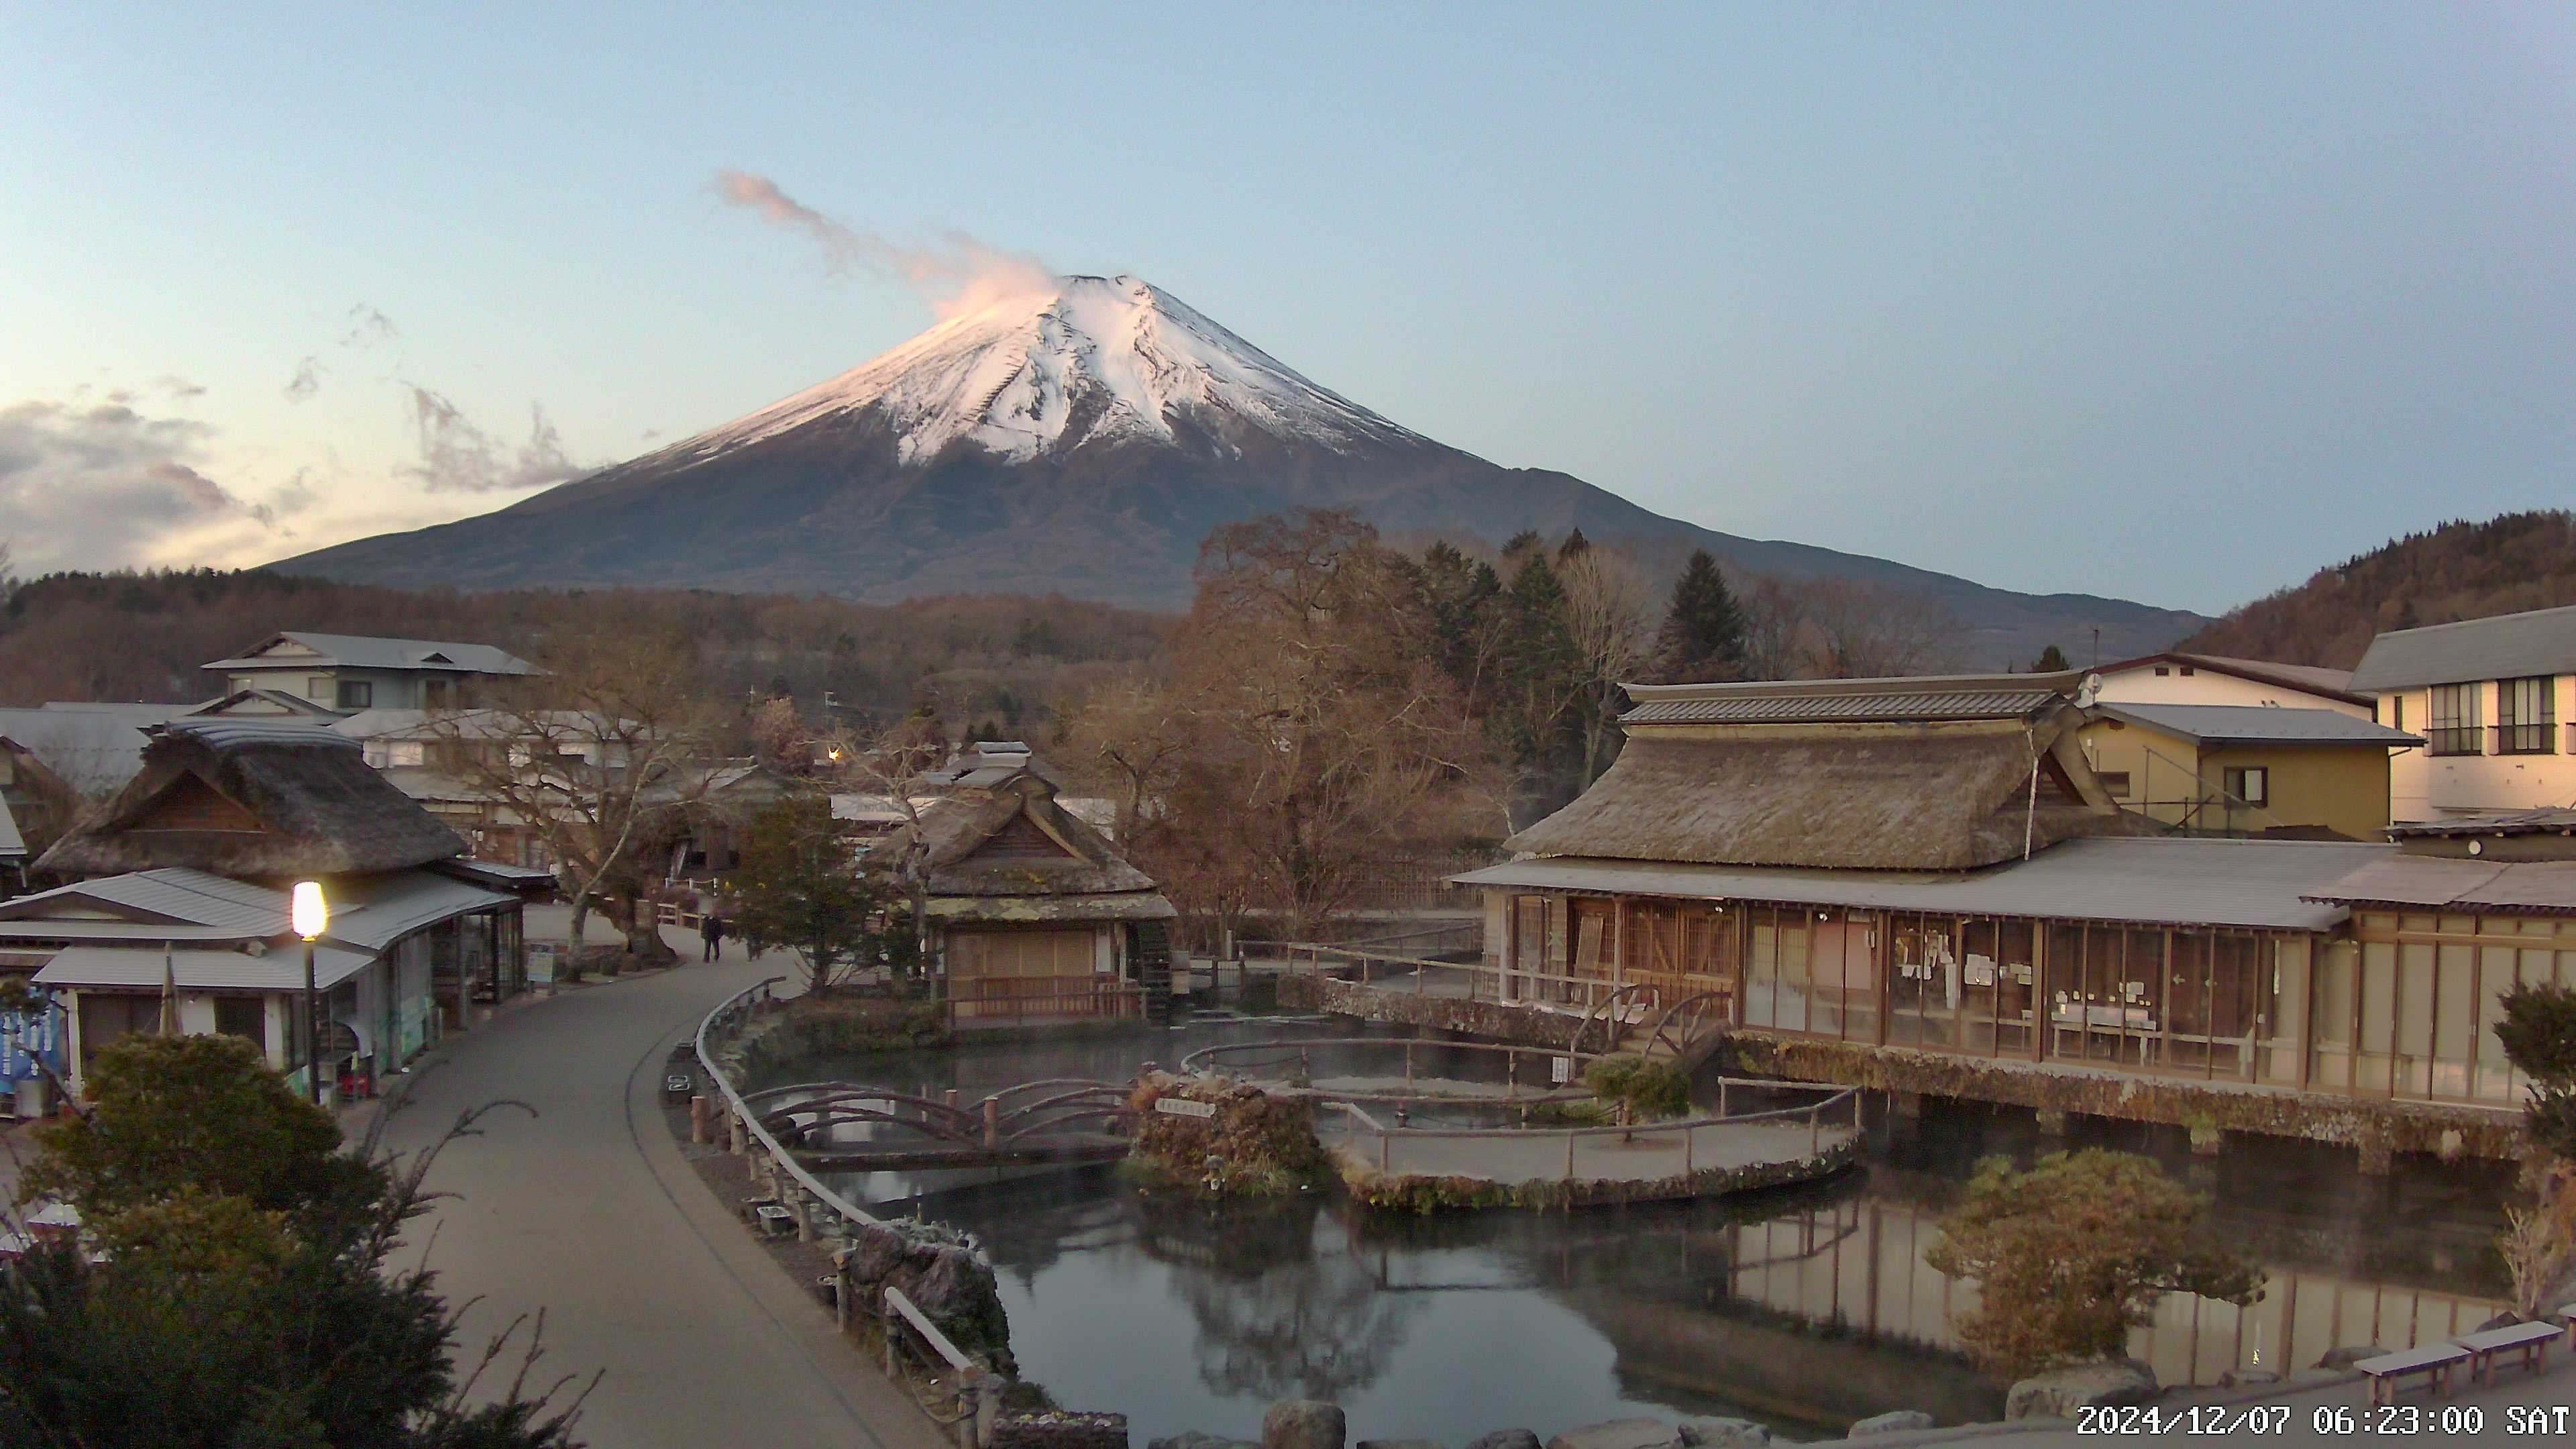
(1829, 1098)
(986, 1000)
(1483, 981)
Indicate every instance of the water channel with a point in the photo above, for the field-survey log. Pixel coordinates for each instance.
(1803, 1308)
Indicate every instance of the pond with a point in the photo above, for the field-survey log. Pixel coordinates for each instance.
(1804, 1309)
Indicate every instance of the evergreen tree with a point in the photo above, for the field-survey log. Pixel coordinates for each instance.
(2051, 660)
(1541, 679)
(1573, 547)
(1463, 599)
(1702, 638)
(799, 886)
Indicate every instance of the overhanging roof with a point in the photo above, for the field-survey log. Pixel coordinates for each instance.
(1816, 701)
(2249, 724)
(2544, 887)
(363, 651)
(2508, 646)
(171, 895)
(2254, 884)
(122, 968)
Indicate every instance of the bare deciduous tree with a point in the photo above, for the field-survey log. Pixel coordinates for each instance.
(593, 756)
(1608, 604)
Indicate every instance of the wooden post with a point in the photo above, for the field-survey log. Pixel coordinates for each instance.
(698, 1119)
(1811, 1131)
(1382, 1153)
(1687, 1135)
(1721, 1096)
(841, 1291)
(992, 1123)
(804, 1210)
(1569, 1155)
(733, 1132)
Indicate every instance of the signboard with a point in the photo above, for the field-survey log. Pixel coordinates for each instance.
(541, 963)
(1560, 1070)
(30, 1038)
(1184, 1107)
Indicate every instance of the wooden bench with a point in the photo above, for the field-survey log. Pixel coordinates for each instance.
(2567, 1311)
(2434, 1361)
(2532, 1338)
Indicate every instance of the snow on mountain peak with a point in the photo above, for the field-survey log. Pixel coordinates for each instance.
(1091, 359)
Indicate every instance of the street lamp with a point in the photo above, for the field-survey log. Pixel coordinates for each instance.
(311, 916)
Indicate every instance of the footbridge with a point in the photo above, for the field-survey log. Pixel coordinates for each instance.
(860, 1127)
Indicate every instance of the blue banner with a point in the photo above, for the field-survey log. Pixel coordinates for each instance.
(27, 1038)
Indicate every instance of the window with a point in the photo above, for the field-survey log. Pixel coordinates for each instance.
(2526, 715)
(2452, 713)
(2249, 783)
(437, 693)
(245, 1017)
(318, 689)
(407, 752)
(2116, 782)
(2162, 671)
(356, 694)
(2397, 711)
(2186, 671)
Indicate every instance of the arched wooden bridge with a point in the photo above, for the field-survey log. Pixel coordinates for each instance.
(1065, 1119)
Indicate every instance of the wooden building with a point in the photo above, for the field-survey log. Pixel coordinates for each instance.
(1033, 914)
(1916, 869)
(177, 914)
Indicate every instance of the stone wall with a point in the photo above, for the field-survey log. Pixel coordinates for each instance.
(1059, 1430)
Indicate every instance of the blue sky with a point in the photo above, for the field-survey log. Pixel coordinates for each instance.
(2177, 302)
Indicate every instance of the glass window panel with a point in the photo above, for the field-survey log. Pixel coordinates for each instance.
(1798, 1013)
(2415, 964)
(1977, 972)
(2330, 1016)
(1911, 983)
(2016, 984)
(2498, 968)
(2378, 1017)
(1765, 1000)
(2065, 985)
(2455, 1021)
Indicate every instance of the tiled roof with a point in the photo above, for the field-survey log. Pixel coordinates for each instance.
(362, 651)
(1818, 708)
(2546, 819)
(189, 897)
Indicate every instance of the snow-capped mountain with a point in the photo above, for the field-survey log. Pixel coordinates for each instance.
(1083, 438)
(1097, 359)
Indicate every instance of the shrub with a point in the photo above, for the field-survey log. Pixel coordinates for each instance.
(1649, 1089)
(2073, 1254)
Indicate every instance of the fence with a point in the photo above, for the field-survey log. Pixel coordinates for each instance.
(1256, 1056)
(994, 1000)
(974, 1389)
(1466, 980)
(1680, 1135)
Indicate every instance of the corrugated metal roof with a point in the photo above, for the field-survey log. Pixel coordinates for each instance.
(13, 842)
(2508, 646)
(2262, 884)
(2259, 724)
(227, 732)
(362, 651)
(126, 968)
(1804, 708)
(191, 897)
(2445, 882)
(375, 911)
(2545, 820)
(95, 748)
(95, 930)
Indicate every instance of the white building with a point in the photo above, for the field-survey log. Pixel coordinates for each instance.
(2493, 698)
(2174, 678)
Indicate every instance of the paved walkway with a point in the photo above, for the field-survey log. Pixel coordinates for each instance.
(589, 1212)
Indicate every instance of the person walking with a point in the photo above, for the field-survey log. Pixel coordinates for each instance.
(711, 930)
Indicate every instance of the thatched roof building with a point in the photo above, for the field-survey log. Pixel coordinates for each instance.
(254, 801)
(1000, 849)
(1939, 774)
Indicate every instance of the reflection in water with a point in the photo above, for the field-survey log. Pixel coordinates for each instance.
(1805, 1309)
(1282, 1312)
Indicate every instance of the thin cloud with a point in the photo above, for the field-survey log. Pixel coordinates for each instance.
(367, 327)
(457, 456)
(957, 274)
(177, 386)
(307, 380)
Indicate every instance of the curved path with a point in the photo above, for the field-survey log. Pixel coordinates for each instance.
(589, 1212)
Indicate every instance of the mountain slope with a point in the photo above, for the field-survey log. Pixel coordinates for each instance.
(1083, 440)
(2460, 570)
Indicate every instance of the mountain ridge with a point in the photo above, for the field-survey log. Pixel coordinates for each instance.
(1084, 440)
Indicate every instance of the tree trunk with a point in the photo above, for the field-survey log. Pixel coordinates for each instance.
(580, 917)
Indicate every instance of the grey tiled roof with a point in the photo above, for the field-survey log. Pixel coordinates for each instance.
(362, 651)
(2560, 818)
(1803, 708)
(198, 970)
(2260, 724)
(2508, 646)
(2548, 887)
(191, 897)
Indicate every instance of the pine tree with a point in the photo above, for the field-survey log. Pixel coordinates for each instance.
(1702, 638)
(1573, 547)
(2051, 660)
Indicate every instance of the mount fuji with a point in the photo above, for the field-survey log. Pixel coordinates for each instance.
(1082, 439)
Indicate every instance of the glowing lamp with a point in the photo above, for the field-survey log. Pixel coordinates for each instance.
(310, 913)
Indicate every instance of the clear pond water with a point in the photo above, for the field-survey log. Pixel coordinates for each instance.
(1804, 1308)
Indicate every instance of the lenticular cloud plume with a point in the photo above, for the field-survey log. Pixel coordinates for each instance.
(959, 274)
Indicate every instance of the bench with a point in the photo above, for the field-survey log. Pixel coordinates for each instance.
(2434, 1361)
(2567, 1312)
(2532, 1338)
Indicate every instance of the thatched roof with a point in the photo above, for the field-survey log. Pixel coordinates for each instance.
(255, 801)
(1865, 797)
(1010, 839)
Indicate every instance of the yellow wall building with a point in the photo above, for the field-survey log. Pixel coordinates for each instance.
(2246, 770)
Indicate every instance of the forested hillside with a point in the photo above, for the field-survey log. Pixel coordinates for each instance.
(2458, 571)
(1000, 660)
